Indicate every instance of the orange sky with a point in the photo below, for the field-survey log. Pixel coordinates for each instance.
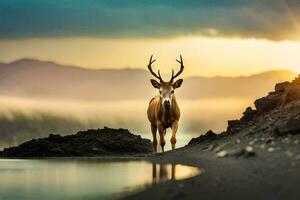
(202, 55)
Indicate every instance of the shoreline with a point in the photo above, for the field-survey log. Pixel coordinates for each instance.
(264, 176)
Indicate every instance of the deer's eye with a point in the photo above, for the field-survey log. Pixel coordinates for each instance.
(172, 92)
(159, 92)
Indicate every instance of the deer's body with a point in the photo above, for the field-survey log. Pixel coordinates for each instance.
(163, 111)
(161, 118)
(157, 115)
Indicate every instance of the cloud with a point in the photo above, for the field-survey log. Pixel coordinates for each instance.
(266, 19)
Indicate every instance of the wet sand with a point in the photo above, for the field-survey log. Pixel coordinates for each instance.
(267, 175)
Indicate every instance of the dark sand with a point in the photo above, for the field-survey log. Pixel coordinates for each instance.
(267, 175)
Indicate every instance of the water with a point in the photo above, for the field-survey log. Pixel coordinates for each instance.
(82, 178)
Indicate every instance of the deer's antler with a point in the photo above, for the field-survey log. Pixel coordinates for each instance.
(152, 72)
(180, 71)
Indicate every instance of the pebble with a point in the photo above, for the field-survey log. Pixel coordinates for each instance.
(238, 141)
(249, 149)
(296, 142)
(271, 149)
(222, 154)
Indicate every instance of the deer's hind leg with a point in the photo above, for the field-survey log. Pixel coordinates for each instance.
(154, 130)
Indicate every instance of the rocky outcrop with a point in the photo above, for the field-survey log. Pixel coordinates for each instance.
(292, 126)
(98, 142)
(275, 105)
(284, 93)
(249, 114)
(208, 136)
(275, 120)
(268, 103)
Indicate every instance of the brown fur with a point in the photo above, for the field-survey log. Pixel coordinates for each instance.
(161, 119)
(157, 113)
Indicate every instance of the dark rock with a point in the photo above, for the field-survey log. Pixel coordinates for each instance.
(281, 87)
(292, 127)
(273, 92)
(234, 123)
(268, 103)
(209, 135)
(98, 142)
(233, 126)
(53, 137)
(296, 80)
(284, 93)
(293, 94)
(248, 114)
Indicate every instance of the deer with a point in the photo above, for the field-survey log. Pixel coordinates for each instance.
(163, 111)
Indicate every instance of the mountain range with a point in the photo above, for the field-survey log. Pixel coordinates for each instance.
(40, 79)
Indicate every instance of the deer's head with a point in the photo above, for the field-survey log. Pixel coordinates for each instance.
(166, 88)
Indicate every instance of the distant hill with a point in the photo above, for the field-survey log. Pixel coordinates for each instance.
(33, 78)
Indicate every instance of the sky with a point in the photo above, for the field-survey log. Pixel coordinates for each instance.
(229, 38)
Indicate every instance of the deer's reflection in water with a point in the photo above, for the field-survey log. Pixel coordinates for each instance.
(164, 172)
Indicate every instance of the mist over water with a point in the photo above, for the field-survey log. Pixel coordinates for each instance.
(23, 119)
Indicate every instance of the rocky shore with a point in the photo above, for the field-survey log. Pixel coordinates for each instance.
(274, 123)
(100, 142)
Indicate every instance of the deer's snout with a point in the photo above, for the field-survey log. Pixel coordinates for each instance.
(167, 103)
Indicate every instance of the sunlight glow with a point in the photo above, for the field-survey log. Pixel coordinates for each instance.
(202, 56)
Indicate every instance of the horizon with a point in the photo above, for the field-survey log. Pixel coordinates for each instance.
(223, 57)
(279, 70)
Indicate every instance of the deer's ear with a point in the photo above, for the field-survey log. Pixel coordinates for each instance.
(155, 83)
(178, 83)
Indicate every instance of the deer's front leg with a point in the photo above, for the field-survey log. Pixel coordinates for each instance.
(154, 130)
(161, 131)
(174, 131)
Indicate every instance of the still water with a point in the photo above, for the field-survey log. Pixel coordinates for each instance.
(82, 178)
